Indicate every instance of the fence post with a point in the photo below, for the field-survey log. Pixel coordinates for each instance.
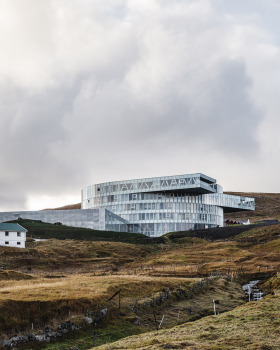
(178, 316)
(161, 322)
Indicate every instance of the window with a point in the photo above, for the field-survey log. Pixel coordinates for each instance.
(18, 243)
(6, 233)
(6, 242)
(19, 234)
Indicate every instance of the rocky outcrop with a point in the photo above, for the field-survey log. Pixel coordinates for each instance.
(46, 335)
(96, 317)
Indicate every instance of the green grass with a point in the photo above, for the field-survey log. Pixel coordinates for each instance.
(259, 234)
(38, 229)
(83, 339)
(217, 233)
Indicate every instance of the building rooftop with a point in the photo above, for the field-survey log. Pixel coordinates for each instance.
(11, 227)
(187, 183)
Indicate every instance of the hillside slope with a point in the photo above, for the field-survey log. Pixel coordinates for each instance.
(67, 207)
(62, 279)
(267, 206)
(254, 326)
(230, 248)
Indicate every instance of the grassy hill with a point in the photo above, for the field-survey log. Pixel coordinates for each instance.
(252, 326)
(254, 249)
(64, 278)
(67, 207)
(213, 233)
(267, 206)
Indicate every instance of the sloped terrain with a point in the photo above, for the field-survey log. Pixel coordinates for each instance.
(67, 207)
(71, 278)
(254, 326)
(70, 256)
(267, 207)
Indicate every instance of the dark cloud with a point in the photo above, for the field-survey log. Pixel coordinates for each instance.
(132, 89)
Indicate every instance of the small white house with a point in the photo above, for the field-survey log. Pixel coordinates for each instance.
(12, 235)
(244, 222)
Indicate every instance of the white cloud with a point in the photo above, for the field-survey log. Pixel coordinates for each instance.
(97, 91)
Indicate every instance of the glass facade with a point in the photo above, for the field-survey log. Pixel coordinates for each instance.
(97, 219)
(155, 206)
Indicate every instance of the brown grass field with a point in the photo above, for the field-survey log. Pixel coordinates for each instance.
(41, 300)
(253, 326)
(267, 206)
(58, 280)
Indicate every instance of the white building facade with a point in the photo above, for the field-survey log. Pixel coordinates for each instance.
(152, 206)
(155, 206)
(12, 235)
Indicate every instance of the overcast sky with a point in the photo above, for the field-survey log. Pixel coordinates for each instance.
(103, 90)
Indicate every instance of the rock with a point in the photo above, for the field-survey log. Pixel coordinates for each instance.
(6, 342)
(47, 335)
(40, 337)
(136, 321)
(67, 326)
(104, 311)
(88, 320)
(134, 309)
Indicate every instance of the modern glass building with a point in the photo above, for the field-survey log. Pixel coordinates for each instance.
(96, 219)
(155, 206)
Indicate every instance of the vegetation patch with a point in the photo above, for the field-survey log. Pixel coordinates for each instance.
(39, 229)
(246, 327)
(13, 275)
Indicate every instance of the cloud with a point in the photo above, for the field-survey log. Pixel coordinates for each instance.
(100, 91)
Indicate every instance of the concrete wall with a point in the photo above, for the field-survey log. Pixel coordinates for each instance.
(88, 218)
(97, 219)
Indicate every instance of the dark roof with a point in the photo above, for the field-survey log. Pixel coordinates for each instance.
(11, 227)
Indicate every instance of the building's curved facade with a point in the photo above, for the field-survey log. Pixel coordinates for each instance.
(158, 205)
